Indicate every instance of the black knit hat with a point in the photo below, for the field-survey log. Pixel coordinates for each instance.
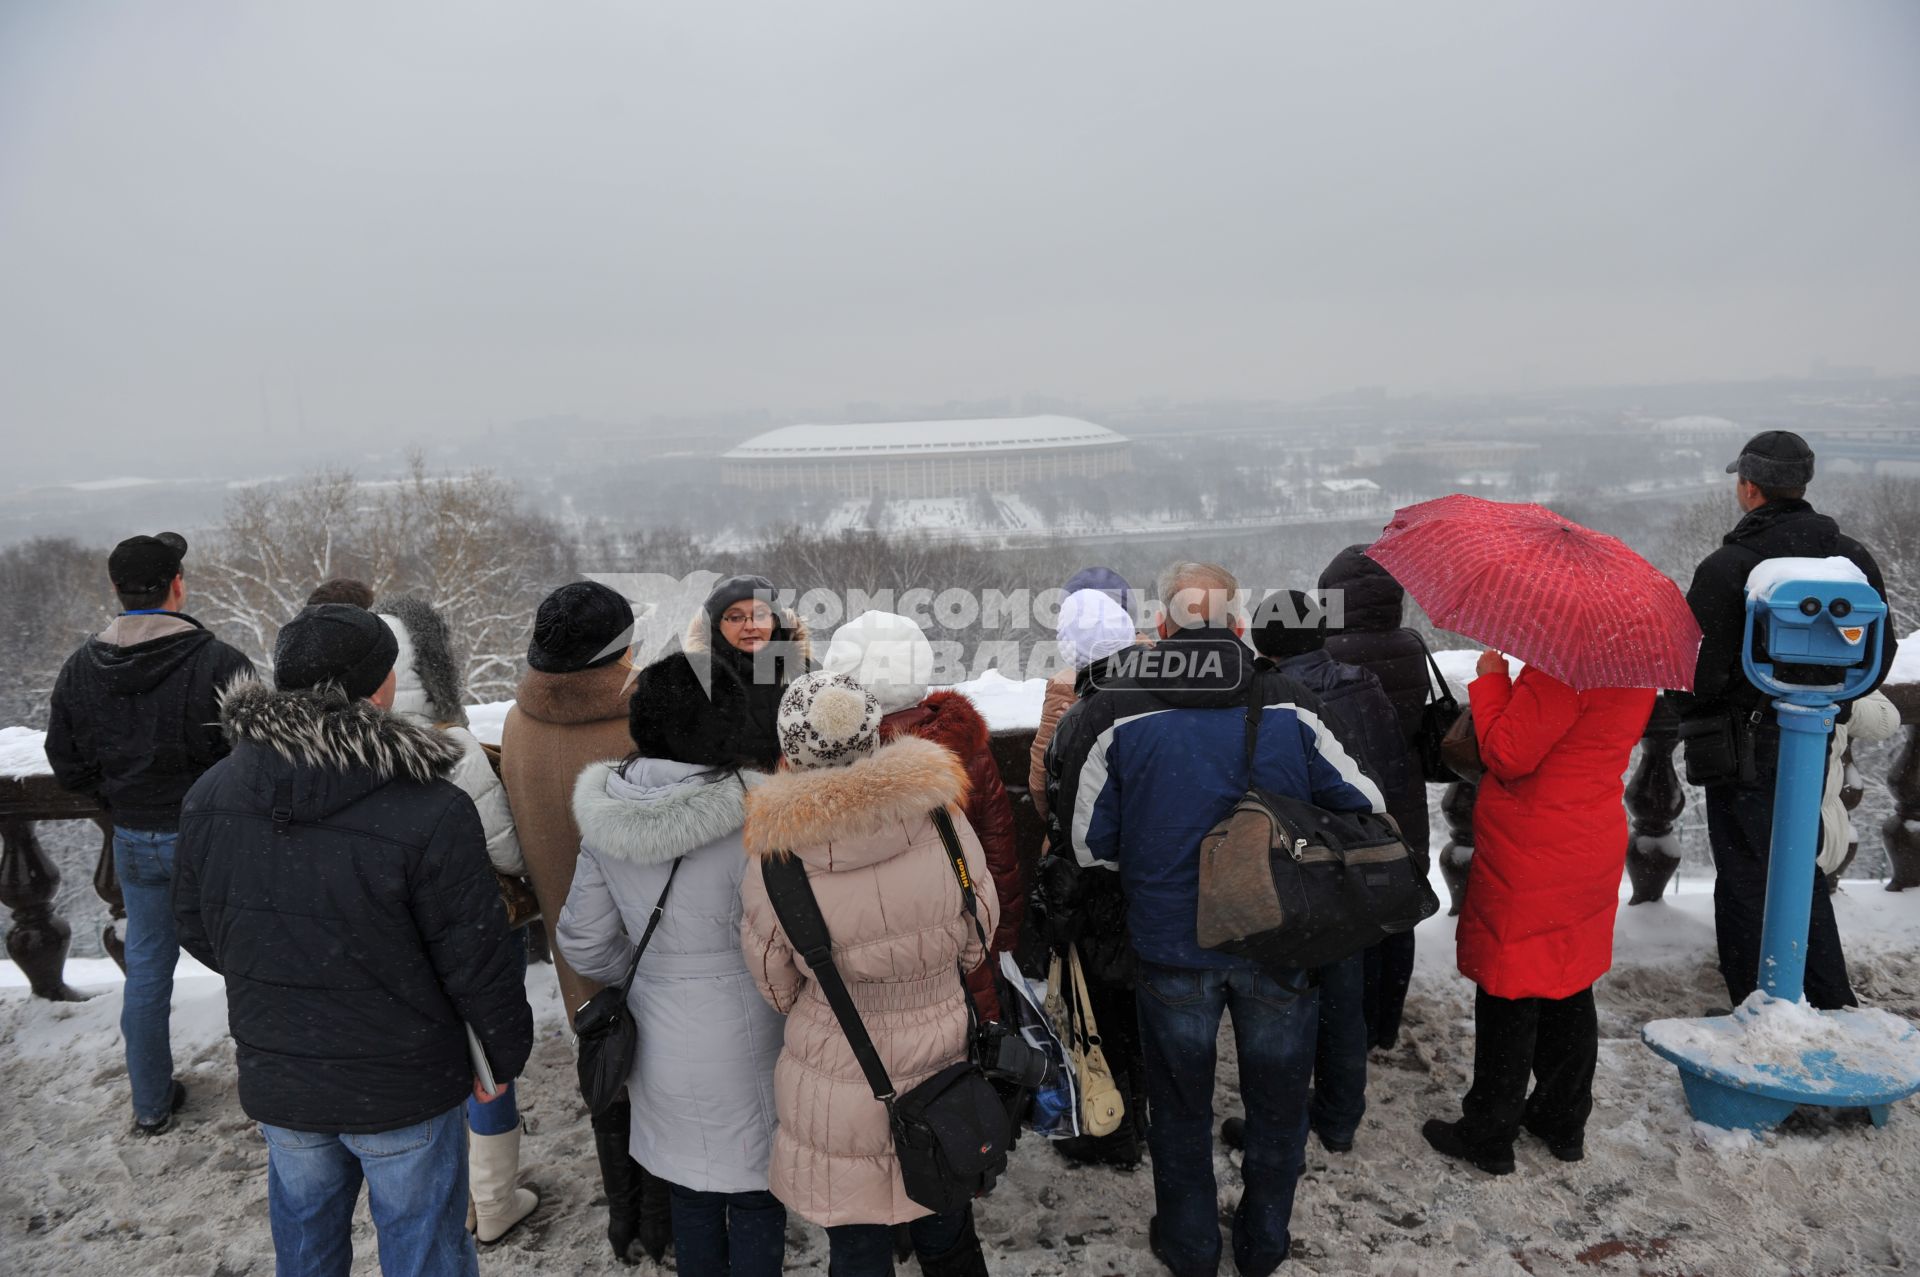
(1774, 459)
(671, 716)
(736, 589)
(1288, 623)
(146, 565)
(580, 626)
(334, 643)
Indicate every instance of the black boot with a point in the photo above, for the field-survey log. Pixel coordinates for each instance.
(963, 1259)
(656, 1215)
(620, 1176)
(1446, 1140)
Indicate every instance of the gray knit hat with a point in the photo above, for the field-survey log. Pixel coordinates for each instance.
(827, 720)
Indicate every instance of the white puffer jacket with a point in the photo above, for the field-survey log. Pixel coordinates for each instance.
(474, 772)
(1873, 719)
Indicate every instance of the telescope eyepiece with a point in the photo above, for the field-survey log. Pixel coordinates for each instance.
(1809, 606)
(1839, 608)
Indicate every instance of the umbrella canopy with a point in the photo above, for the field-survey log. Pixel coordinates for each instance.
(1575, 603)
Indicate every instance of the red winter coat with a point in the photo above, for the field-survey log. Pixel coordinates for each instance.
(950, 721)
(1549, 833)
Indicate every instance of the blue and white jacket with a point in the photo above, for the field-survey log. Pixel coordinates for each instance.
(1141, 769)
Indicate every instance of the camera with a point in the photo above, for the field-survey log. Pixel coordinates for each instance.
(1006, 1056)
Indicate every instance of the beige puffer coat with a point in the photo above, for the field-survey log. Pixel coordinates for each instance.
(893, 905)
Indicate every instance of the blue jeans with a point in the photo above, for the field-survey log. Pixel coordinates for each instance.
(416, 1189)
(1273, 1029)
(1340, 1051)
(866, 1250)
(728, 1234)
(143, 860)
(497, 1117)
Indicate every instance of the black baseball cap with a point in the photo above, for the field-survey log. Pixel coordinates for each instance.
(143, 564)
(1775, 459)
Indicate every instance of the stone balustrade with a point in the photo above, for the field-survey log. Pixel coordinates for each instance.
(1655, 799)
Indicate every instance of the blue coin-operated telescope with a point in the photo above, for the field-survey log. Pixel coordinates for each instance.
(1813, 640)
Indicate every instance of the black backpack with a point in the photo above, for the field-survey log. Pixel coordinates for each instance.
(951, 1132)
(1289, 883)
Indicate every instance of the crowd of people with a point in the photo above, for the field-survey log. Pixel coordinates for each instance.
(333, 843)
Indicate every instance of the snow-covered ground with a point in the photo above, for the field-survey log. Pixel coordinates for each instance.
(1655, 1195)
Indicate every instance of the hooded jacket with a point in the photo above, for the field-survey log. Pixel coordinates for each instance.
(135, 715)
(559, 724)
(1718, 597)
(1145, 767)
(428, 690)
(1549, 833)
(340, 884)
(702, 1083)
(1372, 636)
(893, 905)
(889, 656)
(1874, 718)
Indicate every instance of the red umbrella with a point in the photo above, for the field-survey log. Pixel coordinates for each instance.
(1576, 603)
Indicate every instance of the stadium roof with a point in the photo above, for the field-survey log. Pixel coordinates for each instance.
(922, 438)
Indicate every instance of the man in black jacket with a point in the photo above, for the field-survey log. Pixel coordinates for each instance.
(340, 884)
(1289, 631)
(1367, 630)
(1774, 467)
(134, 721)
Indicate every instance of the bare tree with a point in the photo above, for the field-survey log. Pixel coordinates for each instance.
(57, 594)
(462, 542)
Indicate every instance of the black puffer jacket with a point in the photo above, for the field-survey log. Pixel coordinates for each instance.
(135, 716)
(342, 888)
(1718, 597)
(1371, 636)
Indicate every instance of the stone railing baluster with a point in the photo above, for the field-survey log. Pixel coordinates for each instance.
(39, 938)
(1902, 829)
(1457, 807)
(106, 885)
(1655, 798)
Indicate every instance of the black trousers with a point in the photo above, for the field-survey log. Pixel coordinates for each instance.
(1556, 1042)
(1389, 969)
(1740, 831)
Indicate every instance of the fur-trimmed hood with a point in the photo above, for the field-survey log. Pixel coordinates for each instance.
(336, 749)
(428, 682)
(652, 811)
(948, 719)
(806, 811)
(584, 696)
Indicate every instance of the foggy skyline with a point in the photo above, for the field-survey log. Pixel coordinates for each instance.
(425, 217)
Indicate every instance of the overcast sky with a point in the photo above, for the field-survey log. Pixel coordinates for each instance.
(423, 216)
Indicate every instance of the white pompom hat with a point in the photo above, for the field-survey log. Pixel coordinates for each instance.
(827, 720)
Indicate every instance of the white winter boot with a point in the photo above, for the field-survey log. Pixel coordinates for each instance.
(499, 1205)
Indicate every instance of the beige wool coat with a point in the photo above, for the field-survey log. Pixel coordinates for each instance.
(558, 725)
(893, 906)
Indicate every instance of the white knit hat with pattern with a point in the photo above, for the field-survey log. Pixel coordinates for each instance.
(827, 720)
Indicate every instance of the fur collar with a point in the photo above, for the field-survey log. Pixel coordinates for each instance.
(584, 696)
(323, 728)
(898, 782)
(665, 824)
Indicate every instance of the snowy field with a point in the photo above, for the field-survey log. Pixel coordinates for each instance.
(1655, 1195)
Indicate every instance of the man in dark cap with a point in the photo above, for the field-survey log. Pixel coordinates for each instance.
(570, 711)
(1731, 738)
(339, 882)
(133, 723)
